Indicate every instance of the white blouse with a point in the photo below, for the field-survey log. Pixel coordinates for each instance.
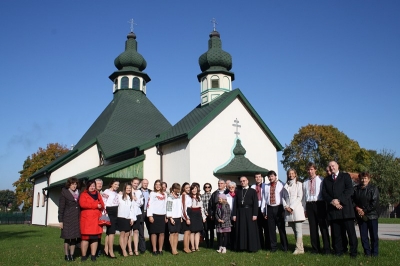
(139, 201)
(126, 208)
(157, 204)
(186, 203)
(174, 207)
(110, 198)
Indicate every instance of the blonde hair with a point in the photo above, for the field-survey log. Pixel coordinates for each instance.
(287, 174)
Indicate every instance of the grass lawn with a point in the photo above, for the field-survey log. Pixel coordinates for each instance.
(389, 220)
(36, 245)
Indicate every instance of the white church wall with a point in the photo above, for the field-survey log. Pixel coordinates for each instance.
(38, 208)
(87, 160)
(151, 166)
(212, 147)
(176, 162)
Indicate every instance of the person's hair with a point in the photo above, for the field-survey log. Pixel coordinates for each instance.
(224, 201)
(98, 180)
(136, 178)
(204, 186)
(89, 183)
(364, 174)
(197, 196)
(183, 187)
(154, 187)
(124, 192)
(271, 173)
(257, 173)
(219, 180)
(311, 165)
(174, 186)
(232, 184)
(164, 183)
(71, 181)
(112, 182)
(287, 174)
(197, 185)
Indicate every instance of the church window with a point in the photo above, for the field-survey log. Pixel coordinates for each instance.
(204, 84)
(124, 83)
(43, 199)
(136, 84)
(214, 82)
(38, 199)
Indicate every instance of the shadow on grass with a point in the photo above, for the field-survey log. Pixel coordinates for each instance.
(5, 234)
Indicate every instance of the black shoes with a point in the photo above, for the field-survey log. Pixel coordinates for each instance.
(93, 258)
(84, 258)
(154, 253)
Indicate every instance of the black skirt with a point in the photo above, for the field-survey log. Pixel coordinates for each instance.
(196, 221)
(174, 228)
(124, 225)
(136, 224)
(158, 226)
(184, 225)
(113, 215)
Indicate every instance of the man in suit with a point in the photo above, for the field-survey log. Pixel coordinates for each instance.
(337, 191)
(262, 223)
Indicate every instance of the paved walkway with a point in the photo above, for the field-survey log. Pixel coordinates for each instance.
(385, 231)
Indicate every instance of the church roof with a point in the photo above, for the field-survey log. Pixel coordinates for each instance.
(127, 122)
(239, 165)
(200, 116)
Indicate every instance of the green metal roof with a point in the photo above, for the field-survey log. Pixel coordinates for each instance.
(127, 122)
(239, 165)
(200, 116)
(101, 171)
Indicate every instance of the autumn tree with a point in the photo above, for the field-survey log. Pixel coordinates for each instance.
(385, 174)
(321, 144)
(23, 188)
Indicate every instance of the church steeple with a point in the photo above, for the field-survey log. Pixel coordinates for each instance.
(130, 65)
(215, 64)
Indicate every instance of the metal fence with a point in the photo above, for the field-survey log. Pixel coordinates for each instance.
(15, 218)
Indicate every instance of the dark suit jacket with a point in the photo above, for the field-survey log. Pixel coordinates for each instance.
(341, 189)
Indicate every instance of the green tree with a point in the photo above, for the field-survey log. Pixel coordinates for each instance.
(321, 144)
(23, 188)
(385, 174)
(8, 200)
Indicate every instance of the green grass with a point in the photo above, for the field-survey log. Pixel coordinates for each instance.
(389, 220)
(36, 245)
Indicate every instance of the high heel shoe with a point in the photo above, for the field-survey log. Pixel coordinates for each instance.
(136, 253)
(105, 253)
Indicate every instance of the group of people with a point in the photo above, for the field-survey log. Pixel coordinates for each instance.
(245, 218)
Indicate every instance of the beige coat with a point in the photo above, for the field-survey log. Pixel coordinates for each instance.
(292, 197)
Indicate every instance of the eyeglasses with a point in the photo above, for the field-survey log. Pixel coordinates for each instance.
(207, 187)
(241, 181)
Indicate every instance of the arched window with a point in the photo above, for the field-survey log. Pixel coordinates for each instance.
(116, 84)
(38, 199)
(124, 83)
(214, 82)
(43, 199)
(136, 83)
(204, 84)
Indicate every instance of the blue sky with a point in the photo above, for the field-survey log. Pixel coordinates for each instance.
(297, 62)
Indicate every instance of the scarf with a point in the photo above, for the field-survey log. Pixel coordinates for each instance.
(290, 182)
(75, 194)
(232, 194)
(94, 195)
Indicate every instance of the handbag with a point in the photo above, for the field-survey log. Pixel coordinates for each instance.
(104, 220)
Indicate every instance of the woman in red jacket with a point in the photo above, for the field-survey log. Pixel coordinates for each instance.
(91, 205)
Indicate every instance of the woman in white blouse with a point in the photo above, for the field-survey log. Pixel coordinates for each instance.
(186, 212)
(110, 198)
(292, 195)
(126, 216)
(174, 216)
(138, 200)
(197, 218)
(156, 211)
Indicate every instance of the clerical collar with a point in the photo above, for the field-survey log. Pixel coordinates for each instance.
(246, 187)
(221, 191)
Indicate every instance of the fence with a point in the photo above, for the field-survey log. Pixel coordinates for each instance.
(15, 218)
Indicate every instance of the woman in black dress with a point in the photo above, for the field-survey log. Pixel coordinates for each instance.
(68, 216)
(197, 218)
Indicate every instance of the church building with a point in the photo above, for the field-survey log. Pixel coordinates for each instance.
(132, 138)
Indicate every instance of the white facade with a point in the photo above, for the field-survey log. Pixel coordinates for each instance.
(212, 148)
(39, 202)
(87, 160)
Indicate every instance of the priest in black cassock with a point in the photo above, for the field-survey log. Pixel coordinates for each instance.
(245, 211)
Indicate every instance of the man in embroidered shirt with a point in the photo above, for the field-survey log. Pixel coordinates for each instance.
(315, 210)
(262, 223)
(274, 212)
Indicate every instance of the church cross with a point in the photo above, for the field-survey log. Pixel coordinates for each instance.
(237, 126)
(214, 22)
(132, 22)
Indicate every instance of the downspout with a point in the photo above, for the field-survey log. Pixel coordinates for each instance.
(47, 201)
(159, 152)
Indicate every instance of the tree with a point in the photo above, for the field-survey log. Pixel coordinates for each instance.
(24, 190)
(7, 200)
(385, 174)
(321, 144)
